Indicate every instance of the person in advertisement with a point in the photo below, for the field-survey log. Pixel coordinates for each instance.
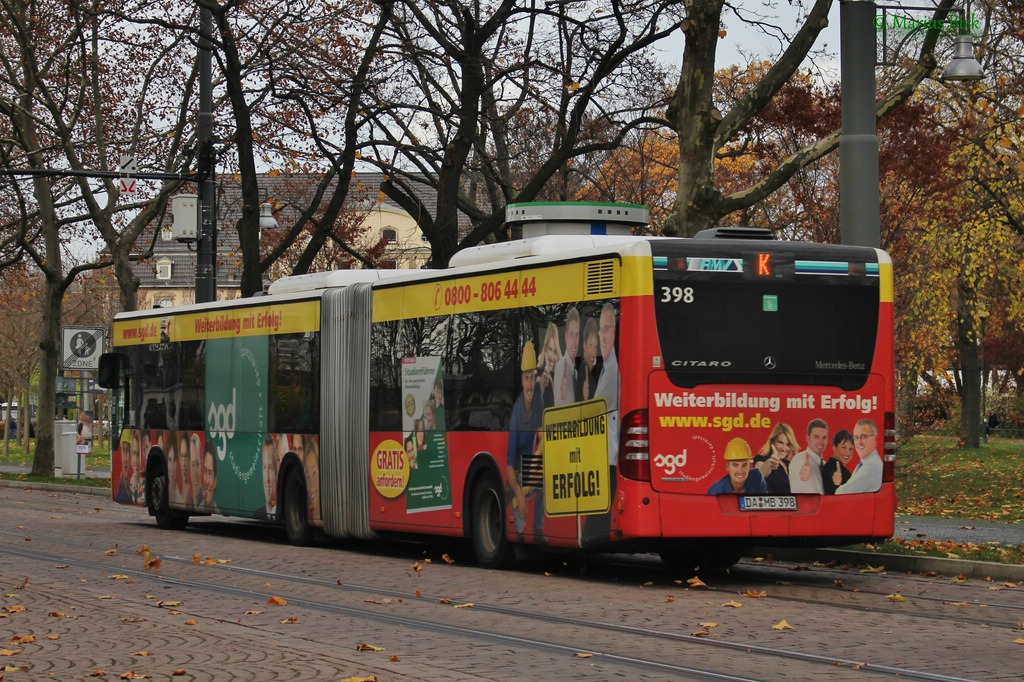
(524, 441)
(552, 353)
(741, 476)
(608, 381)
(805, 469)
(867, 476)
(438, 405)
(269, 451)
(836, 471)
(208, 503)
(774, 459)
(124, 492)
(591, 369)
(565, 370)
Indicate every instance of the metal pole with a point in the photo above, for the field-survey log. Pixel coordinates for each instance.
(984, 408)
(859, 218)
(206, 251)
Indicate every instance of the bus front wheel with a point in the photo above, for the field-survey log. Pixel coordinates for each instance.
(158, 495)
(490, 541)
(296, 521)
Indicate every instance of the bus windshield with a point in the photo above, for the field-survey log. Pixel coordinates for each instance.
(776, 313)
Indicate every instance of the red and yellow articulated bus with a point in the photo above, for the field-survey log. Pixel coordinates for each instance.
(587, 390)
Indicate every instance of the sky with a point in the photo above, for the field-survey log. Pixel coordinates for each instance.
(744, 43)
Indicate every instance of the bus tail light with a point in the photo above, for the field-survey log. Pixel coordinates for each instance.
(634, 448)
(889, 447)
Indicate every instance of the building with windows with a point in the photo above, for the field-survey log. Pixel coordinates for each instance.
(378, 225)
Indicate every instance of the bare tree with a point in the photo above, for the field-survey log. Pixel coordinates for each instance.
(703, 130)
(64, 116)
(463, 80)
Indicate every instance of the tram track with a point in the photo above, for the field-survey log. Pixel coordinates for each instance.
(616, 626)
(749, 573)
(297, 586)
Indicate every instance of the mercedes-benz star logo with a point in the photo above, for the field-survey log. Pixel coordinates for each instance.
(769, 362)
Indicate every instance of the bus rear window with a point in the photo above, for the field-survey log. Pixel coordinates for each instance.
(770, 313)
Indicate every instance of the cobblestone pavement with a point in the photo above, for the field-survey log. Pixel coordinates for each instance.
(86, 620)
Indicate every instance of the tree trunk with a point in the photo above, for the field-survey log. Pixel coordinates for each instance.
(970, 367)
(49, 345)
(694, 117)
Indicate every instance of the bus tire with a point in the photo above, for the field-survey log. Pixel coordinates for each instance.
(296, 503)
(158, 496)
(490, 541)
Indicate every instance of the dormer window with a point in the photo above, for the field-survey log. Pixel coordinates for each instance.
(163, 269)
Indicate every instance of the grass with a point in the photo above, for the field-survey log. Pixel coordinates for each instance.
(933, 478)
(98, 459)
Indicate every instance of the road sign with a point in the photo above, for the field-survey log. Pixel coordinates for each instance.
(81, 347)
(127, 165)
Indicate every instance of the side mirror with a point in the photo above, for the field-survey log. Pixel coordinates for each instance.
(109, 370)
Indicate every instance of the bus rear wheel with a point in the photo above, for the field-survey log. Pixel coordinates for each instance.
(158, 495)
(296, 521)
(490, 541)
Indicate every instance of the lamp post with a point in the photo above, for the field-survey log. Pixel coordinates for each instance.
(206, 250)
(859, 197)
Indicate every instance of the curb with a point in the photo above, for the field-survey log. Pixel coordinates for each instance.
(56, 487)
(977, 570)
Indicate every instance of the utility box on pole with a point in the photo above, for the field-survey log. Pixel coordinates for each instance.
(186, 217)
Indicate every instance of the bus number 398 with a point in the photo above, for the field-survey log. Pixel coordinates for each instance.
(677, 294)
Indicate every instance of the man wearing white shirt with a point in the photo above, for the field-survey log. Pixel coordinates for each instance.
(805, 468)
(867, 477)
(608, 382)
(565, 368)
(597, 527)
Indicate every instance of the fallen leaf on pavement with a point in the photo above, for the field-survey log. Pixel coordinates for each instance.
(363, 646)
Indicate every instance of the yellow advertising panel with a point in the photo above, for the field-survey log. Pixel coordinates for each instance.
(221, 323)
(576, 459)
(491, 291)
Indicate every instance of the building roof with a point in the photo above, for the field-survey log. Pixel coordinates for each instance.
(289, 193)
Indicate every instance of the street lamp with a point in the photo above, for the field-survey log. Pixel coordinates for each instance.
(267, 219)
(206, 250)
(859, 197)
(964, 66)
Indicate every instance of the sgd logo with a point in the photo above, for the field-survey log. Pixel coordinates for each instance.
(670, 463)
(221, 423)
